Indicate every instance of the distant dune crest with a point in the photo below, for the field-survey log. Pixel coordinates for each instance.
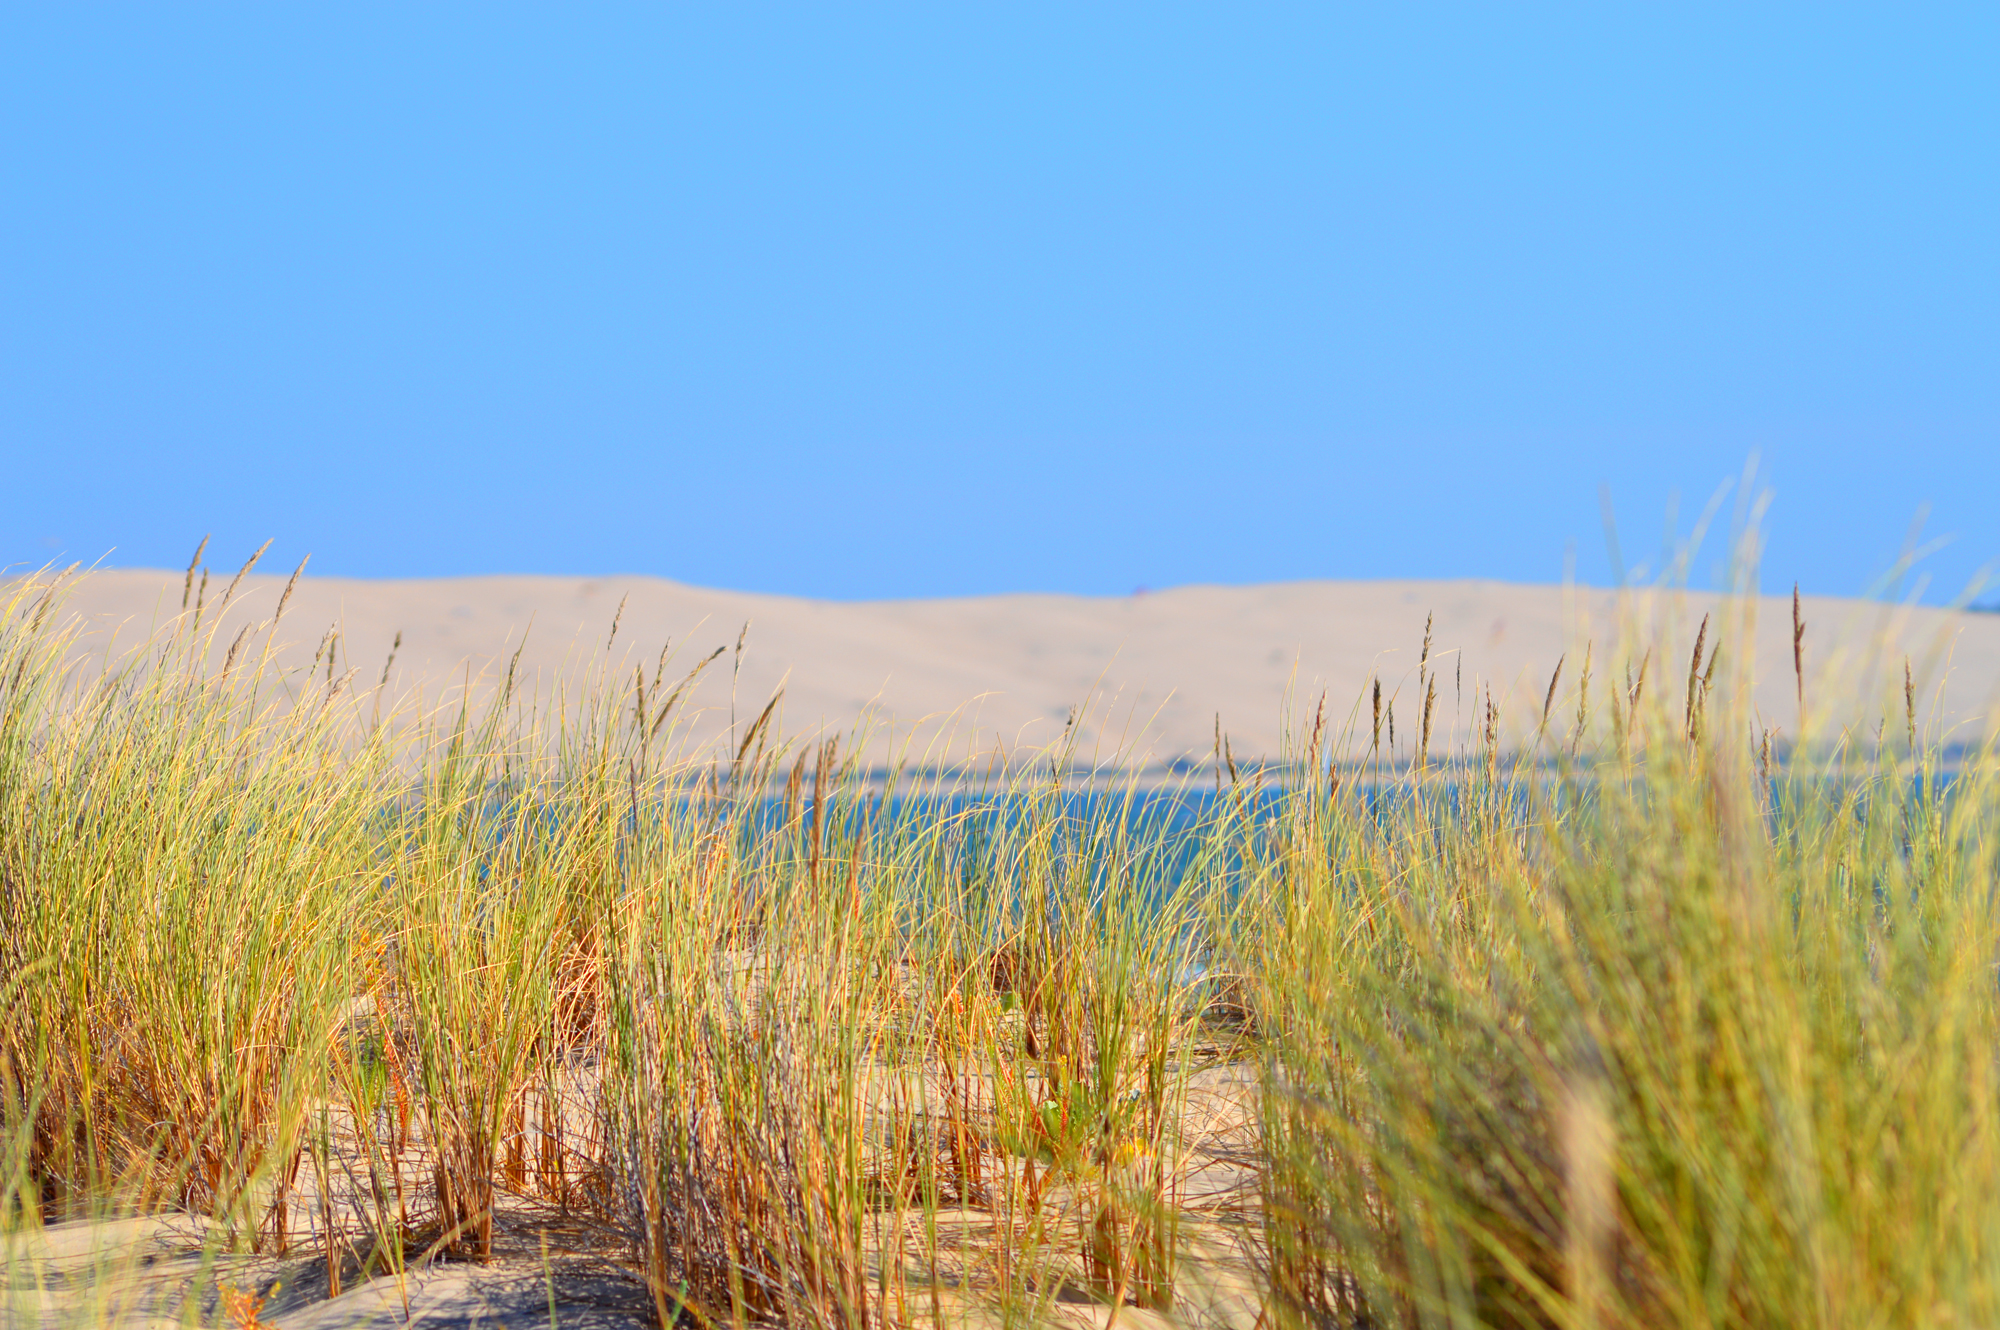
(1150, 677)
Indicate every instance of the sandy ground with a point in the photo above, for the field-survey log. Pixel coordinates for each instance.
(156, 1272)
(1154, 673)
(553, 1269)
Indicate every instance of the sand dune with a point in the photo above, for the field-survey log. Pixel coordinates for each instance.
(1153, 672)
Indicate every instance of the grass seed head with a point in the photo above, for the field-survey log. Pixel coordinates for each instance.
(194, 563)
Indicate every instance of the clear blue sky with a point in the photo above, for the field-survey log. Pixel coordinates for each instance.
(952, 300)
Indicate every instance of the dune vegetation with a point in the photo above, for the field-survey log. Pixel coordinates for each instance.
(1625, 1013)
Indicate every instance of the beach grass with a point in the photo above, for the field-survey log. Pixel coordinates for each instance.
(1617, 1014)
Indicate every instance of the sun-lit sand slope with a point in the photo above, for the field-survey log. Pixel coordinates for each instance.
(1154, 671)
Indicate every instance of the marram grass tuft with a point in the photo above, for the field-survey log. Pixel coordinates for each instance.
(1641, 1020)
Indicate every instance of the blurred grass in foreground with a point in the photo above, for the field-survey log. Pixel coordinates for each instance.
(1620, 1020)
